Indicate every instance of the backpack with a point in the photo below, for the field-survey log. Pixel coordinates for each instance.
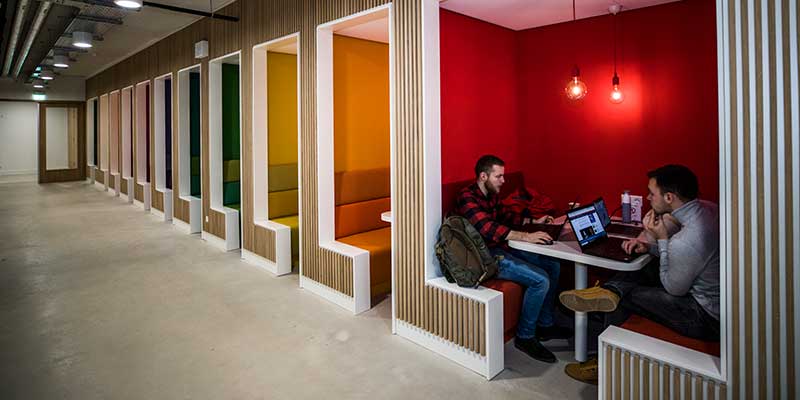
(462, 253)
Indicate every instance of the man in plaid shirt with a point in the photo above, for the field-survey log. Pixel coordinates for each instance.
(480, 204)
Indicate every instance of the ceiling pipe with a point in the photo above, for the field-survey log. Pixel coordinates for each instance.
(15, 31)
(38, 21)
(190, 11)
(100, 19)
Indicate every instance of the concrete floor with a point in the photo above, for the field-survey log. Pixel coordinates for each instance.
(100, 300)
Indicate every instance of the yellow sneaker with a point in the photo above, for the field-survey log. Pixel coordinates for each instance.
(585, 372)
(589, 300)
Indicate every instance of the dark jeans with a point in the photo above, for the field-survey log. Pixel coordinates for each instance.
(641, 293)
(539, 275)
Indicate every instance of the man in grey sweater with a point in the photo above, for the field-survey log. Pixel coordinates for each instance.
(681, 290)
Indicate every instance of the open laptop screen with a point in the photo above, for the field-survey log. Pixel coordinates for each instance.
(586, 224)
(602, 211)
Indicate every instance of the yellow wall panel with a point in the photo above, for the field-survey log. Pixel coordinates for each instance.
(282, 108)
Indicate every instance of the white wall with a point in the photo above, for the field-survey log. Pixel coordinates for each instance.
(57, 139)
(18, 137)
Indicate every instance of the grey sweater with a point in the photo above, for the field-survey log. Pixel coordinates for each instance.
(689, 259)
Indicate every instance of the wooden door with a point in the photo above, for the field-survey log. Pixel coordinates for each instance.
(62, 136)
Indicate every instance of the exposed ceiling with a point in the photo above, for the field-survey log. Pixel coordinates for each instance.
(118, 32)
(526, 14)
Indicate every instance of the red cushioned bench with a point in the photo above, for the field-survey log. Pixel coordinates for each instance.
(639, 324)
(512, 292)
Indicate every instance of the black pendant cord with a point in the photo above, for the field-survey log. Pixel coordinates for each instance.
(615, 43)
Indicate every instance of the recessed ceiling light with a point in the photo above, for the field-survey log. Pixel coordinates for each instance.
(39, 96)
(46, 75)
(128, 3)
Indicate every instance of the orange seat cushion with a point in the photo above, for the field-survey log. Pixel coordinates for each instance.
(361, 217)
(361, 185)
(378, 243)
(512, 303)
(647, 327)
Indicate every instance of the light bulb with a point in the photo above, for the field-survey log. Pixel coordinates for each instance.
(616, 96)
(576, 89)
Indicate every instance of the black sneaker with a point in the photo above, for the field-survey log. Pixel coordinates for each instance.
(534, 348)
(553, 332)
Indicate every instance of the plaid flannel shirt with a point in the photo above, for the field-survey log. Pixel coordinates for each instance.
(488, 215)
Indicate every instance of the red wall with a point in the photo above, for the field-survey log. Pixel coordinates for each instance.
(479, 94)
(667, 67)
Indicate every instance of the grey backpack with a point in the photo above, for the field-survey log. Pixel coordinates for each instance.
(462, 253)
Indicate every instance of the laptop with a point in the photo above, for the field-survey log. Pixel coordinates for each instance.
(592, 237)
(554, 230)
(615, 228)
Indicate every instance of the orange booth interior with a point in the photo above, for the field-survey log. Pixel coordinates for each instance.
(362, 184)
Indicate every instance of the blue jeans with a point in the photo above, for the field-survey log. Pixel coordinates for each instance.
(539, 275)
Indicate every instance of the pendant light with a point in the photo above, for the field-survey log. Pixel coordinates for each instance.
(616, 95)
(575, 89)
(60, 61)
(82, 39)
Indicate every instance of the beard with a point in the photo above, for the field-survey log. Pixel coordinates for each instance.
(492, 189)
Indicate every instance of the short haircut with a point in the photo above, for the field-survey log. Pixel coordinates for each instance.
(486, 163)
(676, 179)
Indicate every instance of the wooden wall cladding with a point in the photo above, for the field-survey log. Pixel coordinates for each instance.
(446, 315)
(264, 242)
(181, 210)
(758, 40)
(138, 192)
(158, 200)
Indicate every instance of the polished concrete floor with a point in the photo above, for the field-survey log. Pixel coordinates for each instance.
(99, 300)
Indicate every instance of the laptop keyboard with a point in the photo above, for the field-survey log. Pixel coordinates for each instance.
(611, 248)
(623, 230)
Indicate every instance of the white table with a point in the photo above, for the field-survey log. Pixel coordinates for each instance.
(566, 248)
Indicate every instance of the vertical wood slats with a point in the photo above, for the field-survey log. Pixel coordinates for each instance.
(759, 104)
(138, 192)
(443, 314)
(633, 376)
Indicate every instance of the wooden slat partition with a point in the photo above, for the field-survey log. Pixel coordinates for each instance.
(759, 113)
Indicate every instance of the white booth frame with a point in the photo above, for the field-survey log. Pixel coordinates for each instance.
(361, 299)
(126, 130)
(114, 168)
(260, 139)
(711, 367)
(141, 131)
(90, 150)
(102, 138)
(159, 139)
(195, 224)
(232, 221)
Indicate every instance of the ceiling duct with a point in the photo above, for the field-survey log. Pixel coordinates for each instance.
(14, 37)
(38, 21)
(59, 17)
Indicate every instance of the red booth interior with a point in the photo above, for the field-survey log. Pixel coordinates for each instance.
(502, 93)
